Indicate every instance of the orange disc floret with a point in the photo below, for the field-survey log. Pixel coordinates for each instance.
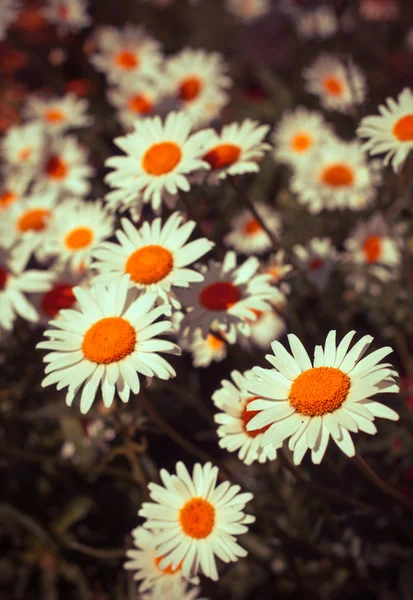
(189, 88)
(3, 278)
(338, 175)
(252, 226)
(109, 340)
(372, 248)
(161, 158)
(149, 264)
(79, 238)
(168, 570)
(7, 198)
(319, 391)
(59, 297)
(222, 156)
(197, 518)
(333, 86)
(127, 60)
(301, 142)
(33, 220)
(246, 417)
(403, 129)
(139, 104)
(214, 342)
(219, 296)
(56, 168)
(54, 115)
(315, 264)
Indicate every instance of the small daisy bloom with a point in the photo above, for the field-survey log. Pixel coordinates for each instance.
(279, 269)
(126, 54)
(12, 190)
(317, 259)
(236, 150)
(23, 145)
(155, 257)
(338, 177)
(248, 10)
(267, 327)
(318, 22)
(309, 402)
(9, 10)
(228, 298)
(380, 10)
(247, 235)
(340, 86)
(391, 133)
(135, 100)
(195, 520)
(298, 134)
(206, 349)
(67, 15)
(75, 230)
(58, 114)
(232, 431)
(107, 342)
(159, 158)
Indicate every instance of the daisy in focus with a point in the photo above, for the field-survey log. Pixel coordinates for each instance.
(106, 343)
(339, 86)
(160, 156)
(317, 259)
(391, 132)
(135, 100)
(247, 235)
(380, 10)
(67, 15)
(156, 257)
(58, 114)
(248, 10)
(23, 146)
(234, 418)
(308, 402)
(194, 520)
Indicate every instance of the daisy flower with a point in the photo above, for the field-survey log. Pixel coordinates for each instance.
(9, 10)
(206, 349)
(234, 418)
(379, 10)
(317, 259)
(106, 343)
(155, 257)
(58, 114)
(159, 158)
(195, 520)
(310, 401)
(236, 150)
(337, 177)
(23, 145)
(248, 10)
(318, 22)
(298, 134)
(391, 132)
(227, 299)
(12, 189)
(68, 15)
(248, 236)
(340, 86)
(135, 100)
(126, 54)
(76, 229)
(267, 327)
(279, 269)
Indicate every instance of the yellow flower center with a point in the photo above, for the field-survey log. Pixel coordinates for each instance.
(338, 175)
(197, 518)
(109, 340)
(161, 158)
(33, 220)
(222, 156)
(79, 238)
(372, 248)
(219, 296)
(149, 264)
(189, 88)
(301, 142)
(319, 391)
(127, 60)
(333, 86)
(403, 129)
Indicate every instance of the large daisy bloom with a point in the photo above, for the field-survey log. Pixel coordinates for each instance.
(58, 114)
(380, 10)
(68, 15)
(339, 176)
(156, 257)
(234, 418)
(248, 236)
(194, 519)
(227, 299)
(135, 100)
(107, 342)
(310, 401)
(391, 132)
(23, 145)
(159, 158)
(248, 10)
(340, 86)
(9, 10)
(317, 260)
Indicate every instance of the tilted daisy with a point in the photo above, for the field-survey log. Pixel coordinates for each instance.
(339, 85)
(267, 327)
(58, 114)
(23, 146)
(298, 134)
(206, 349)
(195, 520)
(156, 257)
(107, 342)
(310, 401)
(380, 10)
(391, 132)
(248, 236)
(75, 230)
(227, 299)
(339, 176)
(248, 10)
(135, 100)
(317, 259)
(232, 431)
(9, 10)
(159, 158)
(68, 15)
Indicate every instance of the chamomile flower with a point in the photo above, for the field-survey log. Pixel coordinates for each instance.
(234, 418)
(58, 114)
(310, 401)
(107, 342)
(76, 229)
(227, 299)
(9, 10)
(298, 134)
(247, 235)
(135, 100)
(206, 349)
(23, 146)
(160, 156)
(380, 10)
(279, 269)
(339, 85)
(248, 10)
(391, 132)
(317, 259)
(156, 257)
(195, 520)
(337, 177)
(68, 15)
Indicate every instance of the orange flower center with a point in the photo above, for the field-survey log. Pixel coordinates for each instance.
(24, 154)
(338, 175)
(168, 570)
(214, 342)
(161, 158)
(372, 248)
(222, 156)
(252, 227)
(3, 278)
(79, 238)
(60, 296)
(56, 168)
(319, 391)
(54, 115)
(315, 264)
(6, 199)
(246, 417)
(127, 60)
(33, 220)
(403, 129)
(189, 88)
(333, 86)
(140, 104)
(197, 518)
(219, 296)
(109, 340)
(149, 264)
(301, 142)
